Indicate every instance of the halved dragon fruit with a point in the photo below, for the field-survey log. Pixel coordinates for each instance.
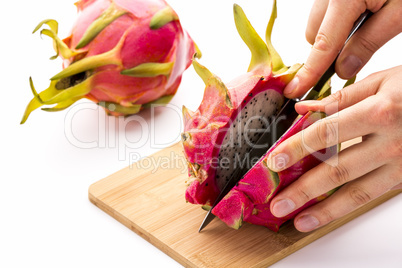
(250, 199)
(123, 55)
(229, 121)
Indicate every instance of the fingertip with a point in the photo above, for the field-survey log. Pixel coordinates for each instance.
(295, 88)
(291, 87)
(305, 106)
(302, 110)
(282, 207)
(348, 66)
(278, 161)
(397, 187)
(300, 84)
(310, 35)
(306, 223)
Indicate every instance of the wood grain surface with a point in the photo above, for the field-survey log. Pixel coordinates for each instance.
(148, 198)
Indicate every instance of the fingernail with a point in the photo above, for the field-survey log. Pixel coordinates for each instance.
(350, 65)
(283, 207)
(307, 223)
(277, 162)
(292, 86)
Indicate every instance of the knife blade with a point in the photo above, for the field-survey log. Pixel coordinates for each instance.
(279, 125)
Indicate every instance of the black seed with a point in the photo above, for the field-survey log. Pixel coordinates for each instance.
(250, 95)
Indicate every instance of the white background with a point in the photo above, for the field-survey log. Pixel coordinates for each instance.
(46, 218)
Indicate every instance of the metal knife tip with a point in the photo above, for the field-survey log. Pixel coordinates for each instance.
(202, 226)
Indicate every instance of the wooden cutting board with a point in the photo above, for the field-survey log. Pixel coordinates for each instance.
(148, 198)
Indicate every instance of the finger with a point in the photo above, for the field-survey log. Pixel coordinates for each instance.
(397, 187)
(345, 97)
(349, 123)
(348, 198)
(382, 26)
(317, 14)
(350, 164)
(328, 42)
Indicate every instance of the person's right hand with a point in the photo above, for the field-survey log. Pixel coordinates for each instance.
(370, 108)
(329, 25)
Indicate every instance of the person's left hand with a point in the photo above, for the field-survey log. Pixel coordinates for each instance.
(372, 109)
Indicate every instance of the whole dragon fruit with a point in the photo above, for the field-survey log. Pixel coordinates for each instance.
(122, 54)
(229, 121)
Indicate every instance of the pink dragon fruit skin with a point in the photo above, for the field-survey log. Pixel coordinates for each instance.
(123, 55)
(255, 207)
(207, 131)
(219, 130)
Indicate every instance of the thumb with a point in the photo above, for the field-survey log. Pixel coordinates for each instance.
(382, 26)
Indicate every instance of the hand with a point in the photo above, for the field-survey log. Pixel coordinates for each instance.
(329, 25)
(372, 109)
